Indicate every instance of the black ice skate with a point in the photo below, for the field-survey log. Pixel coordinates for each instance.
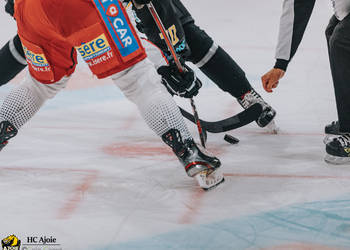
(268, 114)
(7, 131)
(331, 131)
(199, 165)
(338, 150)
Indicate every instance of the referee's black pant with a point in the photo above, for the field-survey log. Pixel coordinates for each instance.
(338, 40)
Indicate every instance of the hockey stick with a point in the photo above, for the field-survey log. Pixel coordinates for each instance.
(161, 28)
(239, 120)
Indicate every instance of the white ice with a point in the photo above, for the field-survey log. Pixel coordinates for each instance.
(87, 171)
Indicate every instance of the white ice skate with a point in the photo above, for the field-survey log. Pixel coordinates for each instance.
(199, 164)
(266, 119)
(338, 150)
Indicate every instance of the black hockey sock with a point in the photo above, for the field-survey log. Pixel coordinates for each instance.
(227, 74)
(10, 64)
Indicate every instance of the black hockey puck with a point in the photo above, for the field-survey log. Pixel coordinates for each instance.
(231, 139)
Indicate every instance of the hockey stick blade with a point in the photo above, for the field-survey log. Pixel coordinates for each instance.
(239, 120)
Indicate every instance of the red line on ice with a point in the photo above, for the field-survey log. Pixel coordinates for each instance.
(289, 176)
(73, 202)
(192, 206)
(237, 132)
(281, 133)
(78, 194)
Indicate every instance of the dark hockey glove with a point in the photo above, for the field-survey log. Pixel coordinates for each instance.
(142, 1)
(182, 84)
(9, 7)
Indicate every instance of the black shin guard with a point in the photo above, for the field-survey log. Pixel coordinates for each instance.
(227, 74)
(9, 64)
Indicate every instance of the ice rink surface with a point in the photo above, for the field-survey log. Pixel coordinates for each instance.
(87, 171)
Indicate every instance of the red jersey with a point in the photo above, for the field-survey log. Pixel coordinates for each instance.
(52, 31)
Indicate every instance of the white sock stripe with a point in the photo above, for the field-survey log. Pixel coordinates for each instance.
(192, 85)
(208, 56)
(15, 53)
(169, 86)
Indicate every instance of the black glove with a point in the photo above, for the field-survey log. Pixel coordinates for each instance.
(142, 1)
(9, 7)
(182, 84)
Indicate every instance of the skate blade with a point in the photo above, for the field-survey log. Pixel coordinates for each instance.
(210, 181)
(272, 128)
(335, 160)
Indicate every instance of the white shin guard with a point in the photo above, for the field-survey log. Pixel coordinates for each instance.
(142, 85)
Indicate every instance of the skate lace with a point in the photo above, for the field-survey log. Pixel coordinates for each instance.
(251, 98)
(344, 140)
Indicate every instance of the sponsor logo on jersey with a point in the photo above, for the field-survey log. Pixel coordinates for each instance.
(181, 47)
(94, 48)
(11, 243)
(172, 33)
(118, 27)
(35, 59)
(38, 64)
(112, 10)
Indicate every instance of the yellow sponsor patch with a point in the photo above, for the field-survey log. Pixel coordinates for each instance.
(347, 150)
(35, 59)
(94, 48)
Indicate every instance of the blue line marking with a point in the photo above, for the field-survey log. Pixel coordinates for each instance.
(325, 223)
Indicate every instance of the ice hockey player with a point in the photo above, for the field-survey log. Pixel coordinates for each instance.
(52, 32)
(191, 42)
(296, 15)
(196, 46)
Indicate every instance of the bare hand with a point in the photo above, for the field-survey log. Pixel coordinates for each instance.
(271, 79)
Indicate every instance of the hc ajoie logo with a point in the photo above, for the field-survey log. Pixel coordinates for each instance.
(11, 243)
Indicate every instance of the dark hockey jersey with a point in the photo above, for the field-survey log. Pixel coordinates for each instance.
(182, 13)
(295, 17)
(173, 15)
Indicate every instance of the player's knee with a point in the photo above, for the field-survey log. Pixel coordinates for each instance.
(139, 81)
(44, 91)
